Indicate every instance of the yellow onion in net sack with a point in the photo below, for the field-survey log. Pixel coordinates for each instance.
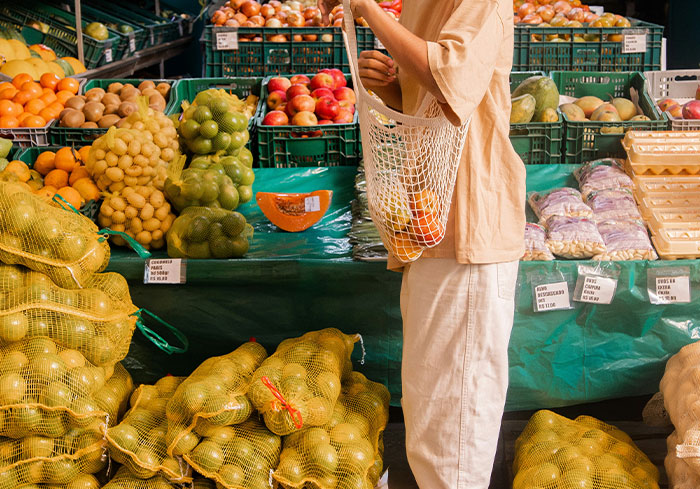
(125, 479)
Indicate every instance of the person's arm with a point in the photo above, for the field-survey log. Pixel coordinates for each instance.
(378, 74)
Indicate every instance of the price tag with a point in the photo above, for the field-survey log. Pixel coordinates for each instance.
(227, 41)
(108, 55)
(595, 289)
(552, 297)
(312, 204)
(132, 42)
(597, 9)
(634, 43)
(165, 271)
(378, 44)
(671, 290)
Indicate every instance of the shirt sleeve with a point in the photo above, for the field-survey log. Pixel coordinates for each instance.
(463, 58)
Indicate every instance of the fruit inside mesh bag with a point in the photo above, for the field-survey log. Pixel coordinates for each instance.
(124, 479)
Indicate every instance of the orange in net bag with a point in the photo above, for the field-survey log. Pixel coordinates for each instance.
(300, 383)
(213, 395)
(237, 457)
(124, 479)
(347, 452)
(66, 246)
(97, 320)
(554, 451)
(138, 441)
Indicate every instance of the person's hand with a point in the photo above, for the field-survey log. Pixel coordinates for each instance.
(376, 69)
(325, 6)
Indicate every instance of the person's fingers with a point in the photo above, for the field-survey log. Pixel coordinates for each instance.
(379, 56)
(325, 11)
(379, 76)
(373, 64)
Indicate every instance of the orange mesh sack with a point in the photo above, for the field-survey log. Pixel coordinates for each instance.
(124, 479)
(554, 451)
(680, 474)
(213, 395)
(237, 457)
(97, 320)
(300, 383)
(138, 442)
(64, 245)
(346, 453)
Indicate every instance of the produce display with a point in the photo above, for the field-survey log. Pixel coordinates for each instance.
(591, 108)
(26, 103)
(294, 212)
(204, 232)
(676, 110)
(535, 100)
(250, 13)
(34, 60)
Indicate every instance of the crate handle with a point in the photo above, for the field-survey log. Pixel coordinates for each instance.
(685, 78)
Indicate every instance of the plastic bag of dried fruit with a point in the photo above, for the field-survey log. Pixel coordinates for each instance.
(299, 384)
(237, 457)
(563, 202)
(606, 173)
(124, 479)
(616, 204)
(64, 245)
(554, 451)
(138, 441)
(625, 240)
(680, 474)
(213, 395)
(573, 237)
(535, 244)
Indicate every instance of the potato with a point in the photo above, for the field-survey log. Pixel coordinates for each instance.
(128, 93)
(156, 102)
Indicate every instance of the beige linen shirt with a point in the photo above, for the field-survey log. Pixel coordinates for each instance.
(470, 51)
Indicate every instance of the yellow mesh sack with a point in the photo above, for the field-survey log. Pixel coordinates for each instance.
(300, 383)
(64, 245)
(554, 451)
(237, 457)
(92, 320)
(347, 452)
(213, 395)
(124, 479)
(82, 481)
(138, 442)
(201, 483)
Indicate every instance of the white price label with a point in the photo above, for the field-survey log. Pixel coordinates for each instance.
(671, 290)
(165, 271)
(378, 44)
(597, 9)
(595, 290)
(227, 41)
(132, 42)
(108, 55)
(312, 204)
(634, 43)
(552, 297)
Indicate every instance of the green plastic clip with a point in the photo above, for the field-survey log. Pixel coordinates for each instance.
(135, 245)
(157, 339)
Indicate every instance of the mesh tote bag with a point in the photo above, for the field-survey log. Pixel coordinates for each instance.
(410, 162)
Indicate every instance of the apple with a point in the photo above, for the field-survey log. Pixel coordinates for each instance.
(691, 110)
(697, 93)
(327, 108)
(275, 118)
(344, 117)
(296, 90)
(302, 103)
(675, 111)
(300, 80)
(345, 93)
(305, 118)
(337, 75)
(324, 121)
(322, 92)
(322, 80)
(347, 105)
(279, 83)
(275, 99)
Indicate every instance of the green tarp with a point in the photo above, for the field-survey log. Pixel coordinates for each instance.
(291, 283)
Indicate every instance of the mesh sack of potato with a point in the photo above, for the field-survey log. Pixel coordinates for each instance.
(213, 395)
(299, 384)
(66, 246)
(554, 451)
(680, 474)
(606, 173)
(535, 243)
(237, 457)
(565, 202)
(347, 452)
(97, 320)
(141, 212)
(202, 232)
(138, 441)
(196, 187)
(574, 237)
(625, 240)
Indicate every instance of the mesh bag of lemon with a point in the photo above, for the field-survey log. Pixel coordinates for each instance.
(202, 232)
(124, 479)
(138, 442)
(299, 384)
(345, 453)
(237, 457)
(554, 451)
(97, 320)
(235, 167)
(64, 245)
(142, 212)
(213, 395)
(680, 474)
(82, 481)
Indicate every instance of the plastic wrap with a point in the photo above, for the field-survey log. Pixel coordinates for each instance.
(625, 240)
(606, 173)
(613, 204)
(536, 244)
(573, 237)
(566, 202)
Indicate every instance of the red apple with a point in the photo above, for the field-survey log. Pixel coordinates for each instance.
(275, 99)
(301, 103)
(337, 75)
(322, 92)
(327, 108)
(296, 90)
(347, 105)
(300, 80)
(305, 118)
(275, 118)
(691, 110)
(324, 121)
(343, 117)
(322, 80)
(345, 93)
(279, 83)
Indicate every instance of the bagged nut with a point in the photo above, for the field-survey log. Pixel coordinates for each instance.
(573, 237)
(535, 244)
(613, 204)
(606, 173)
(625, 240)
(566, 202)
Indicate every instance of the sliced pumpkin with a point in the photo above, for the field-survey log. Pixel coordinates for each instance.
(294, 212)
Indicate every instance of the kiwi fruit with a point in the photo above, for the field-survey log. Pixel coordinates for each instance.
(111, 99)
(126, 108)
(72, 118)
(76, 103)
(146, 84)
(108, 120)
(163, 89)
(89, 125)
(111, 109)
(156, 102)
(93, 111)
(95, 94)
(128, 92)
(115, 87)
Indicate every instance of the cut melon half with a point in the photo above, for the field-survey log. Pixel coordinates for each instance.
(294, 212)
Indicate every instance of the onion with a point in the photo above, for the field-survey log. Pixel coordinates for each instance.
(250, 8)
(310, 37)
(526, 9)
(277, 38)
(273, 22)
(546, 12)
(249, 23)
(232, 23)
(276, 4)
(236, 4)
(294, 5)
(267, 11)
(327, 38)
(310, 12)
(295, 19)
(258, 19)
(240, 18)
(297, 38)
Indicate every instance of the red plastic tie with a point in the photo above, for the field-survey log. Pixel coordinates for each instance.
(294, 413)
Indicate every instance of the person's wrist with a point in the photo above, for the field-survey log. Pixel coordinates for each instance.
(359, 7)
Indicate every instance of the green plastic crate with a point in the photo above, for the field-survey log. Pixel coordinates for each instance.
(536, 142)
(262, 58)
(584, 139)
(571, 55)
(158, 30)
(133, 41)
(305, 146)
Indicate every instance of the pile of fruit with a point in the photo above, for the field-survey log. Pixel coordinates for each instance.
(678, 110)
(300, 101)
(535, 100)
(592, 108)
(17, 57)
(26, 103)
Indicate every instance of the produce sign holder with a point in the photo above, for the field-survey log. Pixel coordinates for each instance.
(536, 142)
(584, 139)
(605, 55)
(158, 29)
(61, 36)
(263, 58)
(138, 34)
(303, 146)
(680, 85)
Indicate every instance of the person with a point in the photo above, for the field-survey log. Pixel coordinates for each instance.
(457, 300)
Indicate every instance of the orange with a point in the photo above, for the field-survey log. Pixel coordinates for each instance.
(4, 85)
(20, 169)
(69, 84)
(22, 97)
(7, 107)
(65, 159)
(8, 122)
(72, 196)
(20, 79)
(45, 162)
(78, 173)
(56, 178)
(33, 121)
(34, 106)
(47, 191)
(56, 106)
(49, 80)
(63, 96)
(87, 189)
(48, 114)
(23, 116)
(48, 98)
(8, 93)
(83, 153)
(34, 88)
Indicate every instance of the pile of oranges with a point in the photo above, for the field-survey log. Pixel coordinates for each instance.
(26, 103)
